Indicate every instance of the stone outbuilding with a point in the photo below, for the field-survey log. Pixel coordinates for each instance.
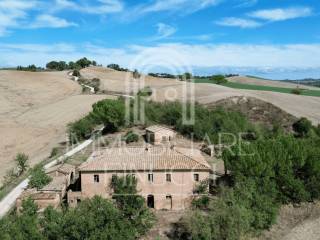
(166, 176)
(53, 193)
(158, 134)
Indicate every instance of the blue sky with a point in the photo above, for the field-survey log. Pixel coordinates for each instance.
(280, 37)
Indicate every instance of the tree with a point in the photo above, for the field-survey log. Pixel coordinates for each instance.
(302, 127)
(187, 75)
(53, 65)
(39, 178)
(136, 74)
(131, 137)
(21, 161)
(219, 79)
(109, 112)
(29, 207)
(52, 224)
(72, 65)
(132, 204)
(83, 62)
(97, 218)
(114, 66)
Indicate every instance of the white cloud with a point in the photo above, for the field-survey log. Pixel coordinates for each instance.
(173, 5)
(281, 14)
(175, 55)
(238, 22)
(39, 48)
(48, 21)
(165, 30)
(180, 7)
(12, 12)
(104, 6)
(247, 3)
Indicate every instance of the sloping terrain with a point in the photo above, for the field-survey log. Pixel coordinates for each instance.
(171, 89)
(269, 83)
(257, 111)
(295, 223)
(36, 107)
(298, 106)
(123, 82)
(34, 111)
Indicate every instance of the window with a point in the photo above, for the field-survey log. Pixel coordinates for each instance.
(168, 177)
(164, 138)
(96, 178)
(150, 177)
(196, 177)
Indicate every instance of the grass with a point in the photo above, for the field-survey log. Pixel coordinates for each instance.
(305, 92)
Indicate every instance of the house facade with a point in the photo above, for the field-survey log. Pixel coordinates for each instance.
(166, 176)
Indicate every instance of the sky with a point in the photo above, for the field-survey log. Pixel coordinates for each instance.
(277, 39)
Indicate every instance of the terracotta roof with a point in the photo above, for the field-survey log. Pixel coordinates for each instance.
(57, 184)
(37, 195)
(144, 159)
(158, 128)
(63, 168)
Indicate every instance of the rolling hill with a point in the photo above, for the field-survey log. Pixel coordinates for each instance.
(35, 108)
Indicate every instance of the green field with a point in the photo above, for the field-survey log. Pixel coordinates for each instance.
(305, 92)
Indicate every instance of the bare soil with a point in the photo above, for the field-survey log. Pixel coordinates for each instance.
(35, 109)
(296, 223)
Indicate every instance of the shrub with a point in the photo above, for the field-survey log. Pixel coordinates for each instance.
(21, 161)
(296, 91)
(145, 92)
(54, 152)
(131, 137)
(81, 129)
(10, 176)
(95, 83)
(302, 127)
(76, 73)
(39, 178)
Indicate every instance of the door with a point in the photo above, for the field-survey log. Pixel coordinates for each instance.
(150, 201)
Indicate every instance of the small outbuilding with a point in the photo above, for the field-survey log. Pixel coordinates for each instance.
(54, 192)
(158, 134)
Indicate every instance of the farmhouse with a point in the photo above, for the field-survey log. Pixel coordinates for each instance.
(158, 134)
(166, 176)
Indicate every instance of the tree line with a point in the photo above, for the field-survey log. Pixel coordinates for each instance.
(62, 65)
